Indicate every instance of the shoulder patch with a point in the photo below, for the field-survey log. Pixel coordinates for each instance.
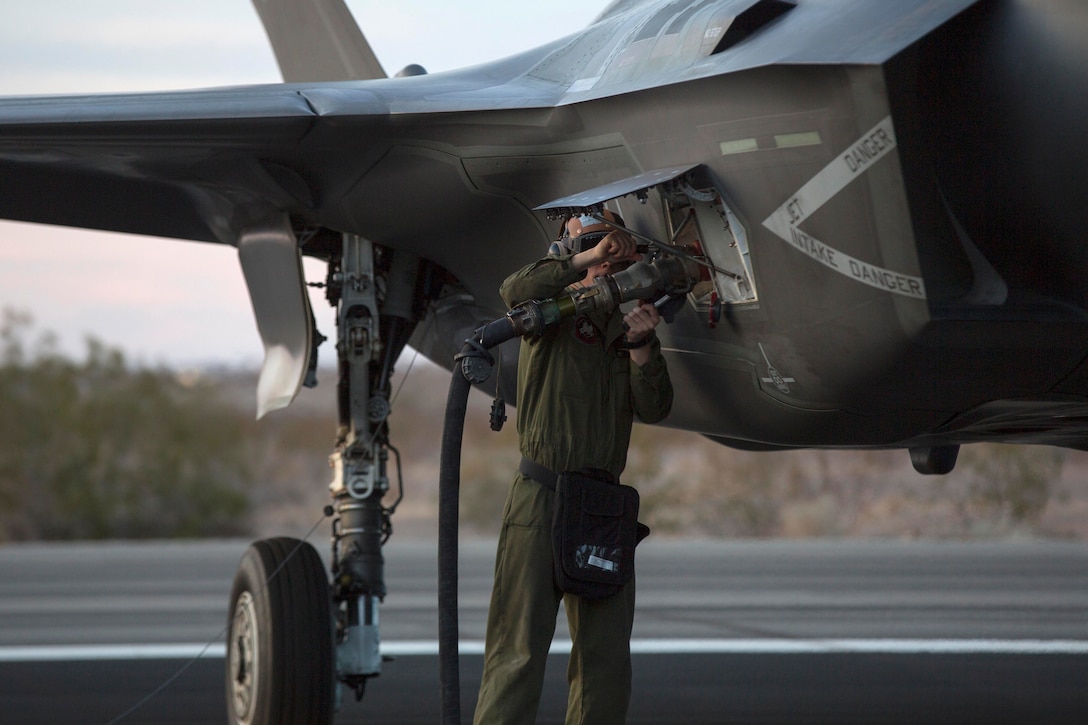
(585, 331)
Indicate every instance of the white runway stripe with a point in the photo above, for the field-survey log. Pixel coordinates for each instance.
(69, 653)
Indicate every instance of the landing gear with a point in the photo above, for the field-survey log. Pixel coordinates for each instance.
(279, 641)
(296, 634)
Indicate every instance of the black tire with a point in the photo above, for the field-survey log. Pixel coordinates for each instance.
(280, 637)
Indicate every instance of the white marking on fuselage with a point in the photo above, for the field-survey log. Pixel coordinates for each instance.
(776, 378)
(874, 145)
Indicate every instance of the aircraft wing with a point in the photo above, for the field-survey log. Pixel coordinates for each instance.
(238, 166)
(154, 164)
(204, 165)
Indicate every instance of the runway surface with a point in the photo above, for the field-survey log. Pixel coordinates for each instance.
(726, 632)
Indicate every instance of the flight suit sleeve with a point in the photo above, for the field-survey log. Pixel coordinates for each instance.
(540, 280)
(651, 388)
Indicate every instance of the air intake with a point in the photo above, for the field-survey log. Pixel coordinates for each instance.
(758, 15)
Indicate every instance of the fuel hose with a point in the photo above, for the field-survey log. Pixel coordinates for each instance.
(473, 355)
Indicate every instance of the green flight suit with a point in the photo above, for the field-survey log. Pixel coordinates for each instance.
(578, 395)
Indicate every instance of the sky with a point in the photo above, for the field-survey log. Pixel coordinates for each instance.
(184, 304)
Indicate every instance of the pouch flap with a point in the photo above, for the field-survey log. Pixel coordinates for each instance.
(602, 501)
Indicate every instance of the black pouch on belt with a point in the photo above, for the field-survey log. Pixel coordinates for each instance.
(594, 532)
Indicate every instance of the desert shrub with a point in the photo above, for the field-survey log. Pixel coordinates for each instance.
(1003, 488)
(96, 449)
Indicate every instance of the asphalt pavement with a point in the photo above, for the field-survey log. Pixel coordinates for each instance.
(726, 632)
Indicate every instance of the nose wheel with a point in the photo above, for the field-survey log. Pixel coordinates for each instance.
(280, 637)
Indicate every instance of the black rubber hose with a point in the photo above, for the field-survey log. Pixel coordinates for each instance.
(449, 484)
(449, 489)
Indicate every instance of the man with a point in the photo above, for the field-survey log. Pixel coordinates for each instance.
(580, 386)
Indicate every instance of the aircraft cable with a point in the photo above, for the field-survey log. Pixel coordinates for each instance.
(669, 249)
(185, 667)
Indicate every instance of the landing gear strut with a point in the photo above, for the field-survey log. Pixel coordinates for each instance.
(295, 636)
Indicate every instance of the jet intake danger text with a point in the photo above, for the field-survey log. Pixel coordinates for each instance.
(785, 222)
(869, 149)
(861, 271)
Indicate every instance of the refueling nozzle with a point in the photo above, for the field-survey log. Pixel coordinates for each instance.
(641, 281)
(646, 280)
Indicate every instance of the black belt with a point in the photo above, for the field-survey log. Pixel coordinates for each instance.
(544, 476)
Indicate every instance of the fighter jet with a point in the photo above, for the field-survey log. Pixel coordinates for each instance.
(878, 204)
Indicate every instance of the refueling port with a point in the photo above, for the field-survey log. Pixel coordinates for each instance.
(703, 220)
(694, 219)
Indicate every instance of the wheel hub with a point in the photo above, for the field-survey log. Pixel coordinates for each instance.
(243, 657)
